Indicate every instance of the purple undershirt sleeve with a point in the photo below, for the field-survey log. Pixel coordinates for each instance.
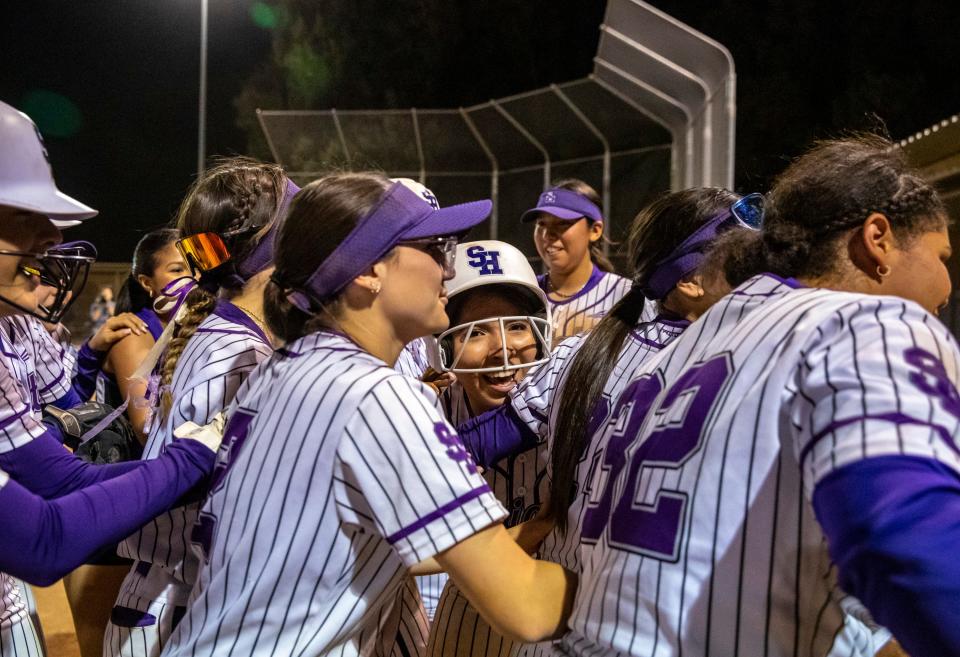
(893, 528)
(43, 540)
(84, 383)
(46, 468)
(493, 436)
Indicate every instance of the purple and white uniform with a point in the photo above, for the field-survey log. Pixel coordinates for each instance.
(413, 359)
(226, 346)
(763, 432)
(533, 401)
(336, 474)
(584, 310)
(413, 362)
(19, 425)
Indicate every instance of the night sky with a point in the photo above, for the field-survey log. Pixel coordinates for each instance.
(114, 83)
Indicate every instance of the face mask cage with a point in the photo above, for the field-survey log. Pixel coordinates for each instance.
(64, 269)
(450, 354)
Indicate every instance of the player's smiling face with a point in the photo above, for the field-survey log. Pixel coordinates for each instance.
(564, 244)
(413, 295)
(483, 348)
(919, 272)
(27, 232)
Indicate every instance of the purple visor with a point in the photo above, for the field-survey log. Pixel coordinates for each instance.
(262, 255)
(564, 204)
(686, 258)
(400, 215)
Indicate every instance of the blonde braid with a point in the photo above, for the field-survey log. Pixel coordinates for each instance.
(200, 303)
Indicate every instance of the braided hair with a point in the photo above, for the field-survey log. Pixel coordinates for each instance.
(238, 199)
(827, 192)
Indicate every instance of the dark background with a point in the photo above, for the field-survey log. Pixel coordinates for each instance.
(113, 84)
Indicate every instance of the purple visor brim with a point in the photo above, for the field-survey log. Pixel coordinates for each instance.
(563, 204)
(400, 215)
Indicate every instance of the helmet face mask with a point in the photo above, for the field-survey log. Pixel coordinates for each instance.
(455, 341)
(526, 331)
(64, 269)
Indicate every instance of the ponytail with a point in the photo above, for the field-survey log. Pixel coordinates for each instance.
(132, 297)
(199, 304)
(599, 259)
(579, 394)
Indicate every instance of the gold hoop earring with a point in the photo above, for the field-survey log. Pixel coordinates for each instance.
(883, 271)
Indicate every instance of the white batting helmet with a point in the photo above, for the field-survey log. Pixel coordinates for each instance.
(26, 180)
(489, 262)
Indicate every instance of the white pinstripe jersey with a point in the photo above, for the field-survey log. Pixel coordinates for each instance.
(515, 480)
(584, 310)
(413, 360)
(705, 539)
(37, 359)
(335, 475)
(534, 400)
(19, 424)
(218, 357)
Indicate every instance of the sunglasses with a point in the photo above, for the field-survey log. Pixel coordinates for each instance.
(749, 210)
(442, 249)
(203, 251)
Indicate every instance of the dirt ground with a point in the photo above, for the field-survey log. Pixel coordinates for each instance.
(57, 621)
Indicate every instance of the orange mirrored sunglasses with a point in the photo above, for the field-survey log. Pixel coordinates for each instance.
(203, 251)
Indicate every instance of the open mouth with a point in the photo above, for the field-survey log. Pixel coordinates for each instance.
(504, 382)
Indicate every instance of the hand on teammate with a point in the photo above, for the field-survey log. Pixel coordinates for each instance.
(438, 380)
(115, 329)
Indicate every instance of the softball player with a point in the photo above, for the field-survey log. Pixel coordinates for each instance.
(338, 474)
(414, 361)
(800, 435)
(228, 221)
(580, 283)
(41, 539)
(156, 263)
(501, 329)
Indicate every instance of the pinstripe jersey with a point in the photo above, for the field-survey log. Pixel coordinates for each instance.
(43, 365)
(413, 360)
(517, 479)
(584, 310)
(704, 538)
(227, 345)
(533, 400)
(19, 424)
(335, 475)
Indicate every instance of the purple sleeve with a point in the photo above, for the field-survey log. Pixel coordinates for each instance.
(84, 383)
(893, 527)
(42, 540)
(493, 436)
(46, 468)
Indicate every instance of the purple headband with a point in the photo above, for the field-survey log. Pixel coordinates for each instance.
(401, 214)
(685, 258)
(262, 255)
(565, 204)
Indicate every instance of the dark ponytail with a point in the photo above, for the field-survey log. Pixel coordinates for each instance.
(656, 231)
(132, 297)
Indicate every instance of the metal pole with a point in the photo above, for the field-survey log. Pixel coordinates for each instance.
(494, 173)
(529, 137)
(202, 114)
